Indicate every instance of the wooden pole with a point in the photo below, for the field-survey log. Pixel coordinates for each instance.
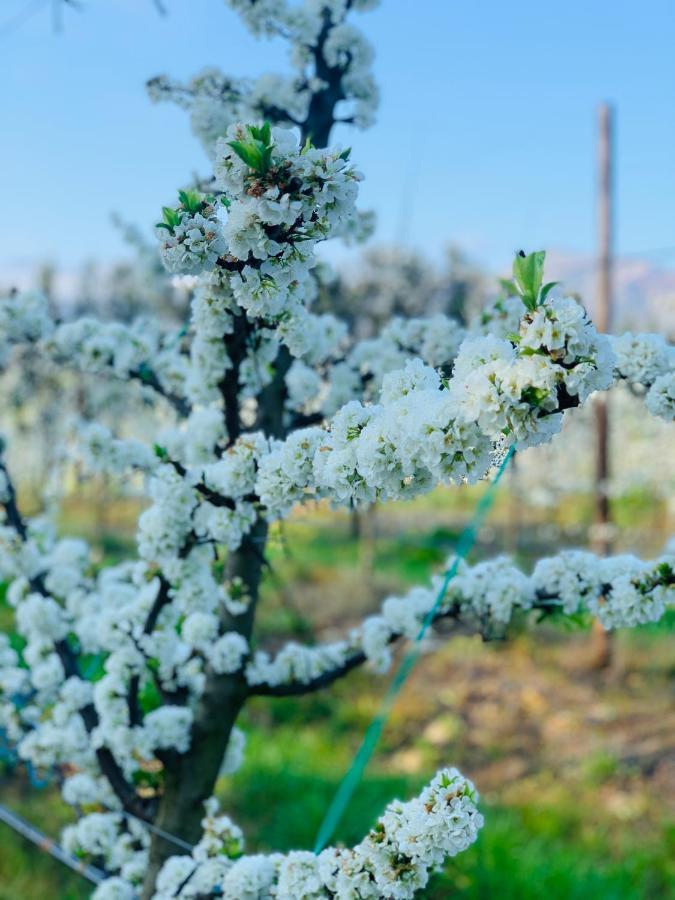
(603, 320)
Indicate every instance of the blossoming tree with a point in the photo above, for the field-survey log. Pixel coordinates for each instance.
(128, 680)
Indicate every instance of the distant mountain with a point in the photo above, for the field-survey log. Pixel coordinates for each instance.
(644, 292)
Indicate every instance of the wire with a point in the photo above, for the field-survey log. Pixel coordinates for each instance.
(9, 755)
(171, 838)
(33, 834)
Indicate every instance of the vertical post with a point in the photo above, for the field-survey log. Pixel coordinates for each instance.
(603, 317)
(603, 321)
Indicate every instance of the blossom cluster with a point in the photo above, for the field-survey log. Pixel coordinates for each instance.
(119, 842)
(281, 200)
(427, 430)
(110, 347)
(395, 859)
(649, 361)
(319, 37)
(141, 350)
(279, 209)
(213, 503)
(314, 386)
(622, 591)
(23, 317)
(190, 236)
(60, 711)
(57, 602)
(102, 452)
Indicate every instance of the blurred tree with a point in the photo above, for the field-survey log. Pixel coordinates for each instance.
(392, 280)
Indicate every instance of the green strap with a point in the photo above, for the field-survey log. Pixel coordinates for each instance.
(351, 780)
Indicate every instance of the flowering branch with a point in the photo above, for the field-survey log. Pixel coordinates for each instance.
(109, 766)
(621, 591)
(139, 352)
(395, 859)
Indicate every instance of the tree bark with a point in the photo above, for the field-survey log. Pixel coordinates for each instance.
(190, 778)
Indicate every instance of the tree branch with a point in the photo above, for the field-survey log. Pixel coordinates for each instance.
(124, 791)
(237, 345)
(14, 517)
(147, 377)
(162, 598)
(299, 688)
(547, 603)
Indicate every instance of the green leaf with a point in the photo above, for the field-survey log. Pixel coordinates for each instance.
(346, 154)
(146, 779)
(266, 133)
(149, 697)
(160, 452)
(18, 642)
(262, 134)
(507, 286)
(266, 158)
(172, 217)
(307, 146)
(665, 572)
(528, 274)
(534, 396)
(191, 200)
(91, 666)
(513, 337)
(257, 151)
(249, 153)
(544, 292)
(144, 372)
(531, 351)
(577, 621)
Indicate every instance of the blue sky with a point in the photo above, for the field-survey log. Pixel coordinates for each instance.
(485, 135)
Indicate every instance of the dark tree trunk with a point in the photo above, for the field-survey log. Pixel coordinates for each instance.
(190, 778)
